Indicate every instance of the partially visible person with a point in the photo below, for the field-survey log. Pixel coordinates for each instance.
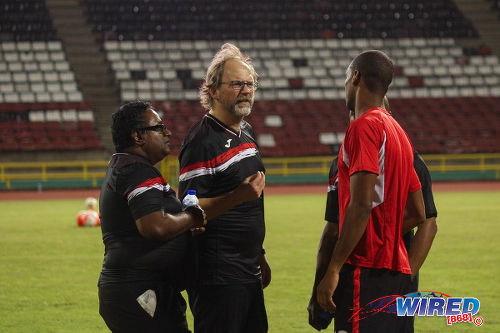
(426, 231)
(90, 216)
(220, 160)
(144, 230)
(376, 181)
(318, 318)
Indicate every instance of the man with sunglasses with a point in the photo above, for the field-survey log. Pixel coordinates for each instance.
(220, 160)
(144, 230)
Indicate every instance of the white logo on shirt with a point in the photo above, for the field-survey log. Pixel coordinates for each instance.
(228, 144)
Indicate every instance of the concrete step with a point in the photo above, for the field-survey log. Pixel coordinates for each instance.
(71, 29)
(96, 73)
(80, 60)
(103, 96)
(66, 13)
(99, 79)
(62, 3)
(87, 59)
(68, 19)
(469, 6)
(82, 45)
(92, 61)
(106, 104)
(99, 93)
(95, 96)
(80, 51)
(482, 17)
(488, 34)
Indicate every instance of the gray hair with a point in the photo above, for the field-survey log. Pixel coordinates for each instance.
(215, 71)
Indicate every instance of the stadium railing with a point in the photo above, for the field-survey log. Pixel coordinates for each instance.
(37, 175)
(43, 175)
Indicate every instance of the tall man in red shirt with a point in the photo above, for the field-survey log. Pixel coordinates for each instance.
(376, 181)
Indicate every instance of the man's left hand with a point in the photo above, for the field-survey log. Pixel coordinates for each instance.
(266, 271)
(318, 317)
(325, 291)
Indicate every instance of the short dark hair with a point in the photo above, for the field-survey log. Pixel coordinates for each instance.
(128, 118)
(376, 69)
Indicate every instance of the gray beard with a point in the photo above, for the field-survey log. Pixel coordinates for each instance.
(241, 111)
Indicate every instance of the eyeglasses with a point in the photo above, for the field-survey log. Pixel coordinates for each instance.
(156, 128)
(239, 85)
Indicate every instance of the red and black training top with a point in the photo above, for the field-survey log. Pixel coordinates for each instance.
(133, 188)
(214, 160)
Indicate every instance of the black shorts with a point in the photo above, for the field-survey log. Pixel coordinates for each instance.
(119, 308)
(359, 286)
(235, 308)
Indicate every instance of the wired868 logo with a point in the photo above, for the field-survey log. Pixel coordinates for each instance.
(456, 309)
(425, 303)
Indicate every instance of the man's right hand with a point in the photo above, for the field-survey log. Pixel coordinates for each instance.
(198, 214)
(251, 188)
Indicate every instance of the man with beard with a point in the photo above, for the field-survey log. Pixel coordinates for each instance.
(220, 160)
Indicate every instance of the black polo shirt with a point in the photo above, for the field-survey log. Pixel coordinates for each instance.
(133, 188)
(214, 160)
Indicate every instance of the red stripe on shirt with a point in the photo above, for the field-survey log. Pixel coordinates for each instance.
(150, 182)
(355, 299)
(218, 160)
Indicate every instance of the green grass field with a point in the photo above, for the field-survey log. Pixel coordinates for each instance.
(49, 267)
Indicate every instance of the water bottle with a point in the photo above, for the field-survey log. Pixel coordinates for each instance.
(190, 199)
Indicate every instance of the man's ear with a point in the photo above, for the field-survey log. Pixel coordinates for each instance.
(137, 137)
(213, 93)
(356, 78)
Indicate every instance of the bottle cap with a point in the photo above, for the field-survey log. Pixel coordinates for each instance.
(191, 192)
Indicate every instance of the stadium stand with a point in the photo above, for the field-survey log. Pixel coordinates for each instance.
(316, 127)
(47, 127)
(275, 19)
(301, 60)
(25, 21)
(41, 106)
(444, 93)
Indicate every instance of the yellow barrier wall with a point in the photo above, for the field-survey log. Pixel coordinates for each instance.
(292, 166)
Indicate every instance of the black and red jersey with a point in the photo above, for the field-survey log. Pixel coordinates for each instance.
(214, 160)
(426, 182)
(332, 197)
(133, 188)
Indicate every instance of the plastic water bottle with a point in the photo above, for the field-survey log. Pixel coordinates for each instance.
(190, 199)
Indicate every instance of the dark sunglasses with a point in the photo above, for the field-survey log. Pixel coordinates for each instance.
(156, 128)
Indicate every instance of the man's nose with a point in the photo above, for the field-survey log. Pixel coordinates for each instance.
(246, 88)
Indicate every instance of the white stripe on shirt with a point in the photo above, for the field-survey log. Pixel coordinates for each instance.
(249, 152)
(140, 190)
